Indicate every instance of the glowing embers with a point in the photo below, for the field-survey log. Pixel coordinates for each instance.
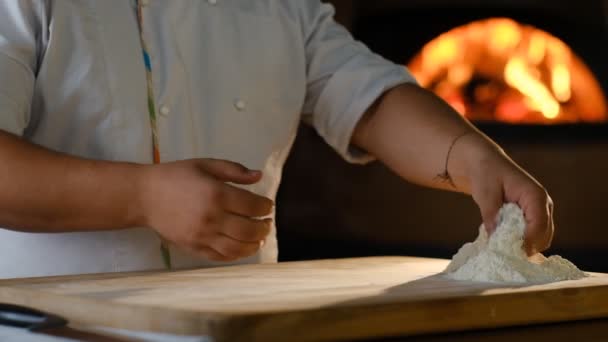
(500, 70)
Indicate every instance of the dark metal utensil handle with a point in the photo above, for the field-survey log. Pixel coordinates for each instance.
(27, 318)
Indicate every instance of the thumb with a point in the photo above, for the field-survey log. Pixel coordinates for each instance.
(489, 200)
(227, 171)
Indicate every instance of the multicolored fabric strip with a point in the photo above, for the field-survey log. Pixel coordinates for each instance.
(164, 248)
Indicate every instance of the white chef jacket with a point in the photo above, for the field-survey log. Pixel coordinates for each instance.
(231, 78)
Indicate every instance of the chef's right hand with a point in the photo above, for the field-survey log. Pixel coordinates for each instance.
(190, 205)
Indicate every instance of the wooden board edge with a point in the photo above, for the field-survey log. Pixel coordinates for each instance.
(122, 316)
(422, 317)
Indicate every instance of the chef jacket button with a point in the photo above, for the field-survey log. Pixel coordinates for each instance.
(164, 110)
(240, 105)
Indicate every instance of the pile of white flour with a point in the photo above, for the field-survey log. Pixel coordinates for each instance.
(501, 258)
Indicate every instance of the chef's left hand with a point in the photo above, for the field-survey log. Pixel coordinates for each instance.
(494, 179)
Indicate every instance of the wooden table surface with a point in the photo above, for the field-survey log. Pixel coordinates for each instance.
(308, 301)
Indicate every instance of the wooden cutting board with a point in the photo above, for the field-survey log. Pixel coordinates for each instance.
(307, 301)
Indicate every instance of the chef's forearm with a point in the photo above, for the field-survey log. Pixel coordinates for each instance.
(45, 191)
(411, 131)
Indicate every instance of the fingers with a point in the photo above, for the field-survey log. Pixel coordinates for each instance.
(230, 238)
(222, 248)
(231, 198)
(538, 209)
(227, 171)
(233, 249)
(245, 203)
(489, 199)
(212, 254)
(246, 229)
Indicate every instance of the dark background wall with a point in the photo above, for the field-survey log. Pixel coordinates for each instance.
(328, 208)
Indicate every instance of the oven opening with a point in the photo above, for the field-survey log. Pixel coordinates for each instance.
(498, 70)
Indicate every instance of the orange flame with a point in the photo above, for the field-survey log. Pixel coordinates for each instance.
(537, 47)
(505, 35)
(560, 82)
(537, 95)
(498, 69)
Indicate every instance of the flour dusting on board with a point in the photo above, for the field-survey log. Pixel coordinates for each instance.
(501, 258)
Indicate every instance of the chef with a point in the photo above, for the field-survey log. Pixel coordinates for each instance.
(139, 135)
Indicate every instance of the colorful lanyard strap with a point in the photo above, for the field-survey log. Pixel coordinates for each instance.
(164, 248)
